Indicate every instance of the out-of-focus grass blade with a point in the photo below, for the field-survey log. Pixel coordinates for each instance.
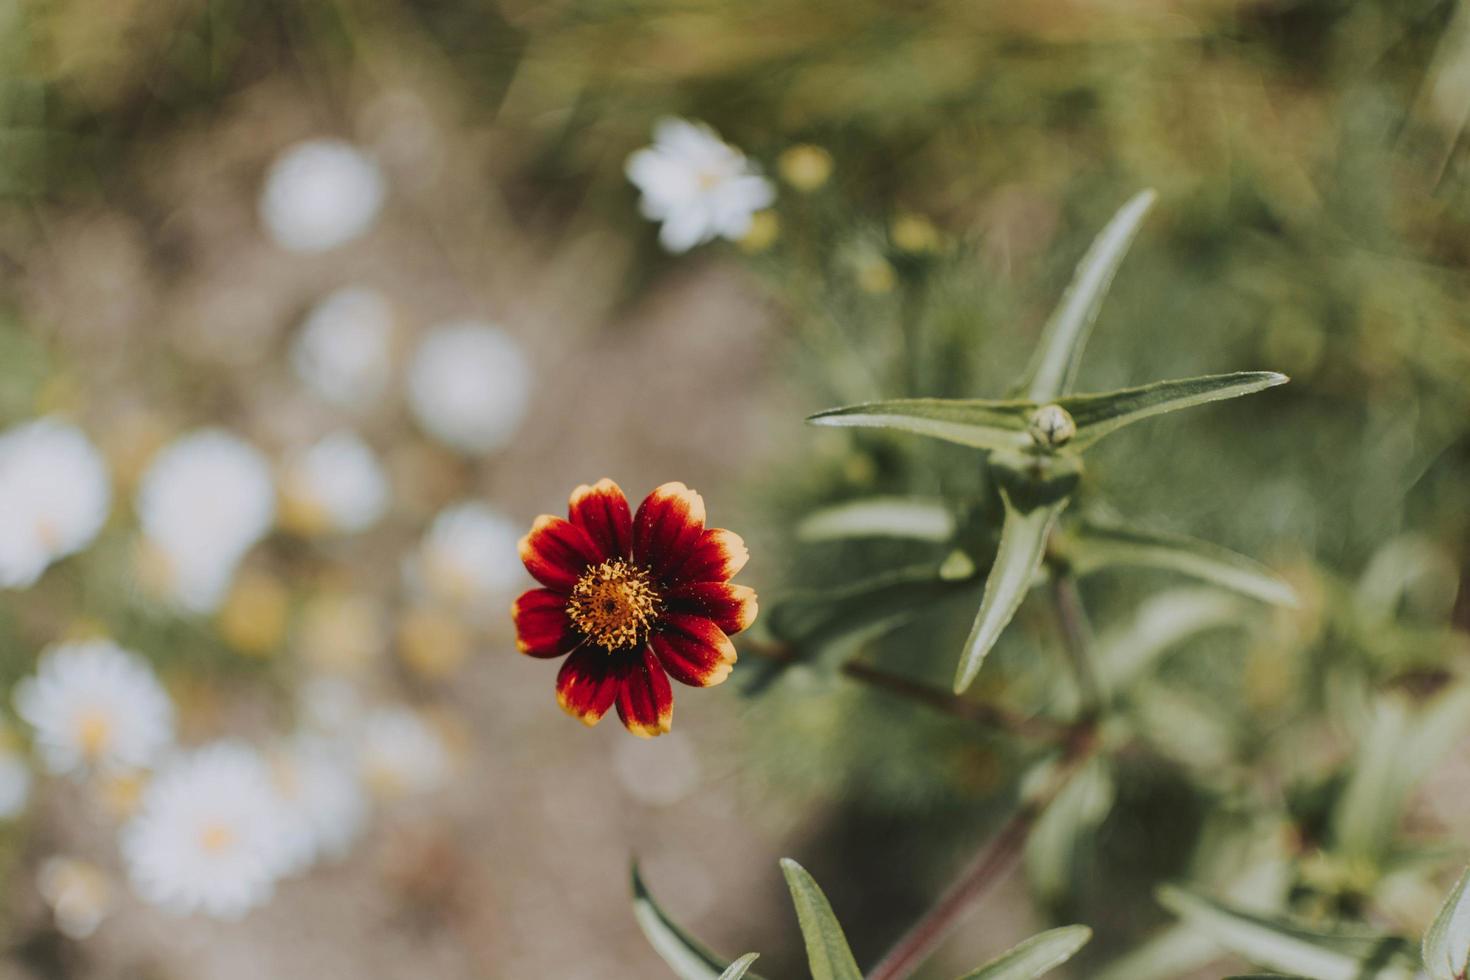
(686, 956)
(912, 518)
(1022, 544)
(1093, 546)
(827, 951)
(740, 967)
(1286, 947)
(1053, 368)
(1035, 956)
(978, 423)
(1447, 943)
(1101, 414)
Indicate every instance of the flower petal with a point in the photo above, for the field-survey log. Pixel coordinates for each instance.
(669, 522)
(602, 511)
(588, 683)
(731, 607)
(542, 626)
(717, 555)
(645, 702)
(556, 552)
(693, 650)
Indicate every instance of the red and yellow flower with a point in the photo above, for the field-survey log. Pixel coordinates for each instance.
(632, 600)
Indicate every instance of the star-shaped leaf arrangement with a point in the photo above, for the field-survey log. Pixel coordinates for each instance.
(1035, 444)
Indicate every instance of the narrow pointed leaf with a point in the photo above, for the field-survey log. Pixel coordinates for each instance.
(1101, 414)
(1022, 545)
(1163, 621)
(740, 967)
(1035, 956)
(686, 956)
(1288, 948)
(1447, 943)
(1053, 369)
(913, 518)
(827, 951)
(1095, 546)
(979, 423)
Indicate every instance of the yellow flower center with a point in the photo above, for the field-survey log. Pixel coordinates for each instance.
(216, 837)
(94, 730)
(614, 604)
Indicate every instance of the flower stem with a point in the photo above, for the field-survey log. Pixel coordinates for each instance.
(990, 866)
(991, 716)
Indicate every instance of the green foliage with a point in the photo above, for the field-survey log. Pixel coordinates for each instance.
(827, 952)
(1038, 955)
(1446, 948)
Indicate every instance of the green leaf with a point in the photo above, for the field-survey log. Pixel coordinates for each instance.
(1093, 546)
(1053, 846)
(1289, 948)
(1053, 369)
(1400, 745)
(1447, 943)
(880, 517)
(1022, 545)
(1035, 956)
(739, 968)
(816, 619)
(1162, 621)
(686, 956)
(979, 423)
(1099, 415)
(827, 951)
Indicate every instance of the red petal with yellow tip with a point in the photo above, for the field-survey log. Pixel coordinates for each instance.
(556, 552)
(668, 524)
(693, 650)
(645, 702)
(542, 626)
(588, 683)
(731, 607)
(718, 555)
(602, 511)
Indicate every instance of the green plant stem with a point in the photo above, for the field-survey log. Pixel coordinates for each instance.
(1077, 640)
(991, 716)
(990, 866)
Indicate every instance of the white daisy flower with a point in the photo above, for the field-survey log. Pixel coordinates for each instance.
(203, 502)
(469, 385)
(15, 777)
(699, 186)
(400, 754)
(211, 834)
(55, 495)
(95, 706)
(322, 793)
(336, 484)
(80, 894)
(320, 194)
(469, 558)
(344, 349)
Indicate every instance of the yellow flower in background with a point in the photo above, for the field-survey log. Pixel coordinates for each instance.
(914, 233)
(805, 166)
(765, 228)
(432, 644)
(875, 275)
(253, 618)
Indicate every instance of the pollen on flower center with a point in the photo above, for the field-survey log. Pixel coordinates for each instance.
(216, 837)
(94, 731)
(613, 604)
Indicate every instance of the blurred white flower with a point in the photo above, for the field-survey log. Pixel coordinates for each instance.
(699, 186)
(336, 484)
(211, 834)
(469, 385)
(344, 350)
(401, 754)
(328, 705)
(15, 777)
(95, 706)
(469, 558)
(80, 894)
(54, 497)
(320, 194)
(204, 501)
(322, 795)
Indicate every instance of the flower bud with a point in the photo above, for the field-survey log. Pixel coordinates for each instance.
(1051, 426)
